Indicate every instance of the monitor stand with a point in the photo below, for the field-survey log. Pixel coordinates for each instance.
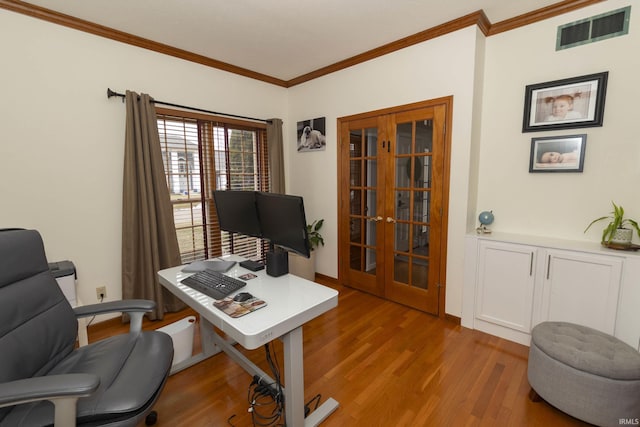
(277, 262)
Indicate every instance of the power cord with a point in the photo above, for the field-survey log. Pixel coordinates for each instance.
(263, 395)
(266, 399)
(307, 409)
(94, 317)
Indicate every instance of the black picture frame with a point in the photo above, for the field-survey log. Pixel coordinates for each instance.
(557, 153)
(576, 102)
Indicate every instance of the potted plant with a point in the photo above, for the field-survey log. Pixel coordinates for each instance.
(306, 267)
(313, 234)
(616, 232)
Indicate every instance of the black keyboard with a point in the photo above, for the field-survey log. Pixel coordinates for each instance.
(213, 284)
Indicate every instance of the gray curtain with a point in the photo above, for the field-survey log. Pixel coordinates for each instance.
(276, 155)
(149, 241)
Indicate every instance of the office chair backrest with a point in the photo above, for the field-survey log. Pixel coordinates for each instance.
(37, 325)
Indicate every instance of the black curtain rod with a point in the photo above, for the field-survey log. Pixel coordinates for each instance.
(111, 93)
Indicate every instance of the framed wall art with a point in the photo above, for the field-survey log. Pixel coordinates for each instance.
(311, 135)
(557, 153)
(577, 102)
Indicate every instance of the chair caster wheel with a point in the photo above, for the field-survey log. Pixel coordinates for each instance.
(151, 418)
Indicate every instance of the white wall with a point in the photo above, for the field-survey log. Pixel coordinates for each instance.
(553, 204)
(441, 67)
(62, 140)
(490, 154)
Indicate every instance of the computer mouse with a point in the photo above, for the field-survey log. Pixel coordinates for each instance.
(242, 296)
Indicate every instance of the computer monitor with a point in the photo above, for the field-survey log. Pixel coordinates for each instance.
(283, 221)
(237, 212)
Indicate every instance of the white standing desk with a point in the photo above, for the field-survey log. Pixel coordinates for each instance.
(291, 302)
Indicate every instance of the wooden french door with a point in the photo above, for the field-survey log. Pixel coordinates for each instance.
(392, 212)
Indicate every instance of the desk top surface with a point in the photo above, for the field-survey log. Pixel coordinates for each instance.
(291, 302)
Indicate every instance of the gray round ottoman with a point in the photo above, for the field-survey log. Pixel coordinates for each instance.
(588, 374)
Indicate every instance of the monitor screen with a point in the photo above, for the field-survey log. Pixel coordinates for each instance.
(283, 222)
(237, 212)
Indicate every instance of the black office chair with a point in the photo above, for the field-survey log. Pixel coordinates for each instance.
(44, 379)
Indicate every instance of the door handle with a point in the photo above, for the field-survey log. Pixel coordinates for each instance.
(548, 266)
(391, 220)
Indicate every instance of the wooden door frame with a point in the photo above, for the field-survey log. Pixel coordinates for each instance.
(447, 101)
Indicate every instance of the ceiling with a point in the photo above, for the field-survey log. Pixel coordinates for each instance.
(283, 39)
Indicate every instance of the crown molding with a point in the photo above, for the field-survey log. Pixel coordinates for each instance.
(110, 33)
(476, 18)
(540, 15)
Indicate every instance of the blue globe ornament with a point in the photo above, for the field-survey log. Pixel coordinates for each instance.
(486, 217)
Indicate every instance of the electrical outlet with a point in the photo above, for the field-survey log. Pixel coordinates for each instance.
(101, 293)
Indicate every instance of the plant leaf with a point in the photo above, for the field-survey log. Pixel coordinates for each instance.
(594, 221)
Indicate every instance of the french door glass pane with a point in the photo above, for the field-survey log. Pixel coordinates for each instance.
(424, 136)
(355, 168)
(370, 209)
(404, 137)
(370, 261)
(371, 175)
(371, 135)
(355, 202)
(356, 230)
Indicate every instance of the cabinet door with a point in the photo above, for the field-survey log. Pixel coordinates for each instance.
(581, 288)
(504, 294)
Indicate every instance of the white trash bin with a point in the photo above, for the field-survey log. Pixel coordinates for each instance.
(65, 274)
(181, 333)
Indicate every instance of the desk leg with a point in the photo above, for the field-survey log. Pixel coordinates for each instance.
(294, 382)
(294, 378)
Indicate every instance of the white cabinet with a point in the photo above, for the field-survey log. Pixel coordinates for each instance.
(505, 284)
(514, 282)
(581, 288)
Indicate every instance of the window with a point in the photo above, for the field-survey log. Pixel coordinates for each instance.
(202, 153)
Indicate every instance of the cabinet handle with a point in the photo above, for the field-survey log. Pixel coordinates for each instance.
(389, 147)
(548, 265)
(531, 264)
(382, 144)
(376, 219)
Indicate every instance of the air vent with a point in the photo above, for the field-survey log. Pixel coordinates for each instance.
(596, 28)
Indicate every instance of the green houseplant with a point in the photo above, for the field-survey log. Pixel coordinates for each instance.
(616, 231)
(313, 234)
(306, 267)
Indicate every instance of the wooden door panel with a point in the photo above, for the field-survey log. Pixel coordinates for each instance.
(360, 243)
(412, 267)
(391, 233)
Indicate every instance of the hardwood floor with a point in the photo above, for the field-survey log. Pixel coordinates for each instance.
(386, 364)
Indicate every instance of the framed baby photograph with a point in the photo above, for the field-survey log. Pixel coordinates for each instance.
(557, 153)
(577, 102)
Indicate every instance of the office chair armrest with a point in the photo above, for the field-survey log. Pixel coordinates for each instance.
(134, 307)
(61, 390)
(122, 306)
(70, 386)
